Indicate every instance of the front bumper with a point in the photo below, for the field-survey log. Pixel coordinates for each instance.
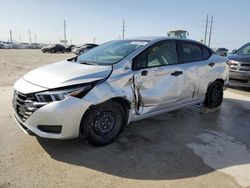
(66, 113)
(239, 78)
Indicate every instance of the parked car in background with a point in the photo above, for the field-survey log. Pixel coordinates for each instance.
(222, 51)
(24, 45)
(7, 45)
(84, 48)
(1, 45)
(96, 94)
(239, 74)
(54, 48)
(35, 46)
(69, 48)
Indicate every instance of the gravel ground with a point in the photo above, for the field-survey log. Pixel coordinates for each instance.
(14, 63)
(183, 148)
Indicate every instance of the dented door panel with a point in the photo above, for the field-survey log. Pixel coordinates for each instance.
(193, 87)
(159, 88)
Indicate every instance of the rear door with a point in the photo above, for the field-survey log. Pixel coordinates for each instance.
(194, 58)
(158, 78)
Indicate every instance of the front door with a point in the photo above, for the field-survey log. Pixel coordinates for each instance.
(158, 78)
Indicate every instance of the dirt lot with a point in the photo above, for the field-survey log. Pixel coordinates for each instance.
(179, 149)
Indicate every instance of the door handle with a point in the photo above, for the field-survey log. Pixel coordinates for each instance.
(211, 64)
(144, 73)
(176, 73)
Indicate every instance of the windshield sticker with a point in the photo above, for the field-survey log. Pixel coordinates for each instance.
(139, 43)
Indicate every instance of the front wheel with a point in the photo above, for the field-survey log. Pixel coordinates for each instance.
(103, 123)
(214, 95)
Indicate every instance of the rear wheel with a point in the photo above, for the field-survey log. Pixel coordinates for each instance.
(214, 95)
(52, 51)
(103, 123)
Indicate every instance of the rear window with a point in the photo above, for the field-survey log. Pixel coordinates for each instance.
(191, 52)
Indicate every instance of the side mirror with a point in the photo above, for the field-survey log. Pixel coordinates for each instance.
(234, 51)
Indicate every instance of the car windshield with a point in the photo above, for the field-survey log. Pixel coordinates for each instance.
(244, 50)
(111, 52)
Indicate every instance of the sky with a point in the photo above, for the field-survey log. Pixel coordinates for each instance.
(102, 20)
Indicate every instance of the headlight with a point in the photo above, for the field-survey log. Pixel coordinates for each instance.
(232, 62)
(58, 95)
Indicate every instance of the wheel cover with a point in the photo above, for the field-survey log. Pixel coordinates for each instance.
(105, 122)
(216, 95)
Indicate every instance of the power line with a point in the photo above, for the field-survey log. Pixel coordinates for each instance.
(210, 33)
(11, 37)
(20, 38)
(123, 28)
(29, 36)
(64, 29)
(205, 37)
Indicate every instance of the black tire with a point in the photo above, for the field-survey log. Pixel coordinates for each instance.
(52, 51)
(103, 123)
(63, 51)
(214, 95)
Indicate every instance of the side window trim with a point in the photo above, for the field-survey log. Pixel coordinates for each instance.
(153, 46)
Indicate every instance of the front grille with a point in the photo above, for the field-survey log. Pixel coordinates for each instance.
(245, 65)
(240, 67)
(244, 69)
(24, 105)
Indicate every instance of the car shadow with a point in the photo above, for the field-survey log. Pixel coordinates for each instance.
(157, 148)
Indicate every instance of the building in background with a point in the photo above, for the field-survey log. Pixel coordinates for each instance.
(178, 33)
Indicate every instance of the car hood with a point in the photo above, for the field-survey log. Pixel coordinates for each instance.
(66, 73)
(240, 58)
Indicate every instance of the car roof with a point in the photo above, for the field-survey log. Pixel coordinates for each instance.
(155, 39)
(161, 38)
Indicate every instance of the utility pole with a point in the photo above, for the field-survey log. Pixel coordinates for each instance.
(29, 36)
(64, 29)
(94, 40)
(11, 37)
(205, 38)
(123, 28)
(210, 33)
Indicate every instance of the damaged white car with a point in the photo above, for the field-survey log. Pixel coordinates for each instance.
(97, 93)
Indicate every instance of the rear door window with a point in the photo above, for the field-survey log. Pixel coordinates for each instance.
(206, 52)
(191, 52)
